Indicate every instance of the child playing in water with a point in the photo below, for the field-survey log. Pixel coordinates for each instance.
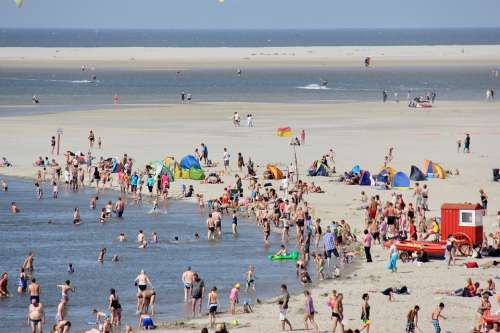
(55, 190)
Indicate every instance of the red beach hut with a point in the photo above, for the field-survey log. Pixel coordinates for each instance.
(465, 218)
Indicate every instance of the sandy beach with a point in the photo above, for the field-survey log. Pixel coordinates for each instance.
(360, 133)
(220, 57)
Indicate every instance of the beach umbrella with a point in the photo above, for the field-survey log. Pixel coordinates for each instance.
(19, 3)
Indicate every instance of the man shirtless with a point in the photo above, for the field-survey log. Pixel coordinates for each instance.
(36, 316)
(34, 290)
(119, 207)
(187, 279)
(436, 314)
(210, 227)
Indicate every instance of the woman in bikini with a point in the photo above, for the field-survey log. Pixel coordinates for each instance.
(335, 304)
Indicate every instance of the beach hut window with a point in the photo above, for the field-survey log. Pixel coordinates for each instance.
(467, 218)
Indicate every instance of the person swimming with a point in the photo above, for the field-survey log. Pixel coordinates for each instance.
(71, 269)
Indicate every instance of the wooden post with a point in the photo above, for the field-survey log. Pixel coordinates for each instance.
(59, 133)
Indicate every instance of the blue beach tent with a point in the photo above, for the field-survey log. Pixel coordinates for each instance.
(401, 181)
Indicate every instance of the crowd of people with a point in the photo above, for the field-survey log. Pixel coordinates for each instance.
(323, 248)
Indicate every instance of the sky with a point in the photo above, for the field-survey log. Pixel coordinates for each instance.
(249, 14)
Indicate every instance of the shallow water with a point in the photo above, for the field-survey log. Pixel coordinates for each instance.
(70, 89)
(220, 263)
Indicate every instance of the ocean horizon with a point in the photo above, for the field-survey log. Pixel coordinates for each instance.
(20, 37)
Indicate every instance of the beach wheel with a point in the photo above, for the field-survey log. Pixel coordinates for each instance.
(464, 244)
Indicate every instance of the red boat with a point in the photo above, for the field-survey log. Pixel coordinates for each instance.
(432, 249)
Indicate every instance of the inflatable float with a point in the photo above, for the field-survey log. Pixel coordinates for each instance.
(492, 319)
(291, 256)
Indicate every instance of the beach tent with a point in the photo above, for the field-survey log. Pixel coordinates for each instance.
(438, 171)
(160, 169)
(382, 177)
(427, 169)
(390, 171)
(275, 172)
(196, 174)
(401, 181)
(318, 169)
(416, 174)
(356, 170)
(189, 168)
(189, 162)
(366, 179)
(284, 132)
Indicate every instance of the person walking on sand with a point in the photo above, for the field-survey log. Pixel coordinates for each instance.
(393, 258)
(52, 144)
(226, 157)
(309, 312)
(412, 320)
(302, 137)
(187, 280)
(335, 304)
(91, 139)
(384, 96)
(425, 198)
(365, 314)
(283, 307)
(236, 119)
(459, 145)
(467, 143)
(367, 242)
(484, 201)
(204, 152)
(436, 314)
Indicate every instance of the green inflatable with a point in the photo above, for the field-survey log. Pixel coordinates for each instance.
(291, 256)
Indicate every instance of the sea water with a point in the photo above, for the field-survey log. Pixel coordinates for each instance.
(73, 89)
(222, 263)
(246, 38)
